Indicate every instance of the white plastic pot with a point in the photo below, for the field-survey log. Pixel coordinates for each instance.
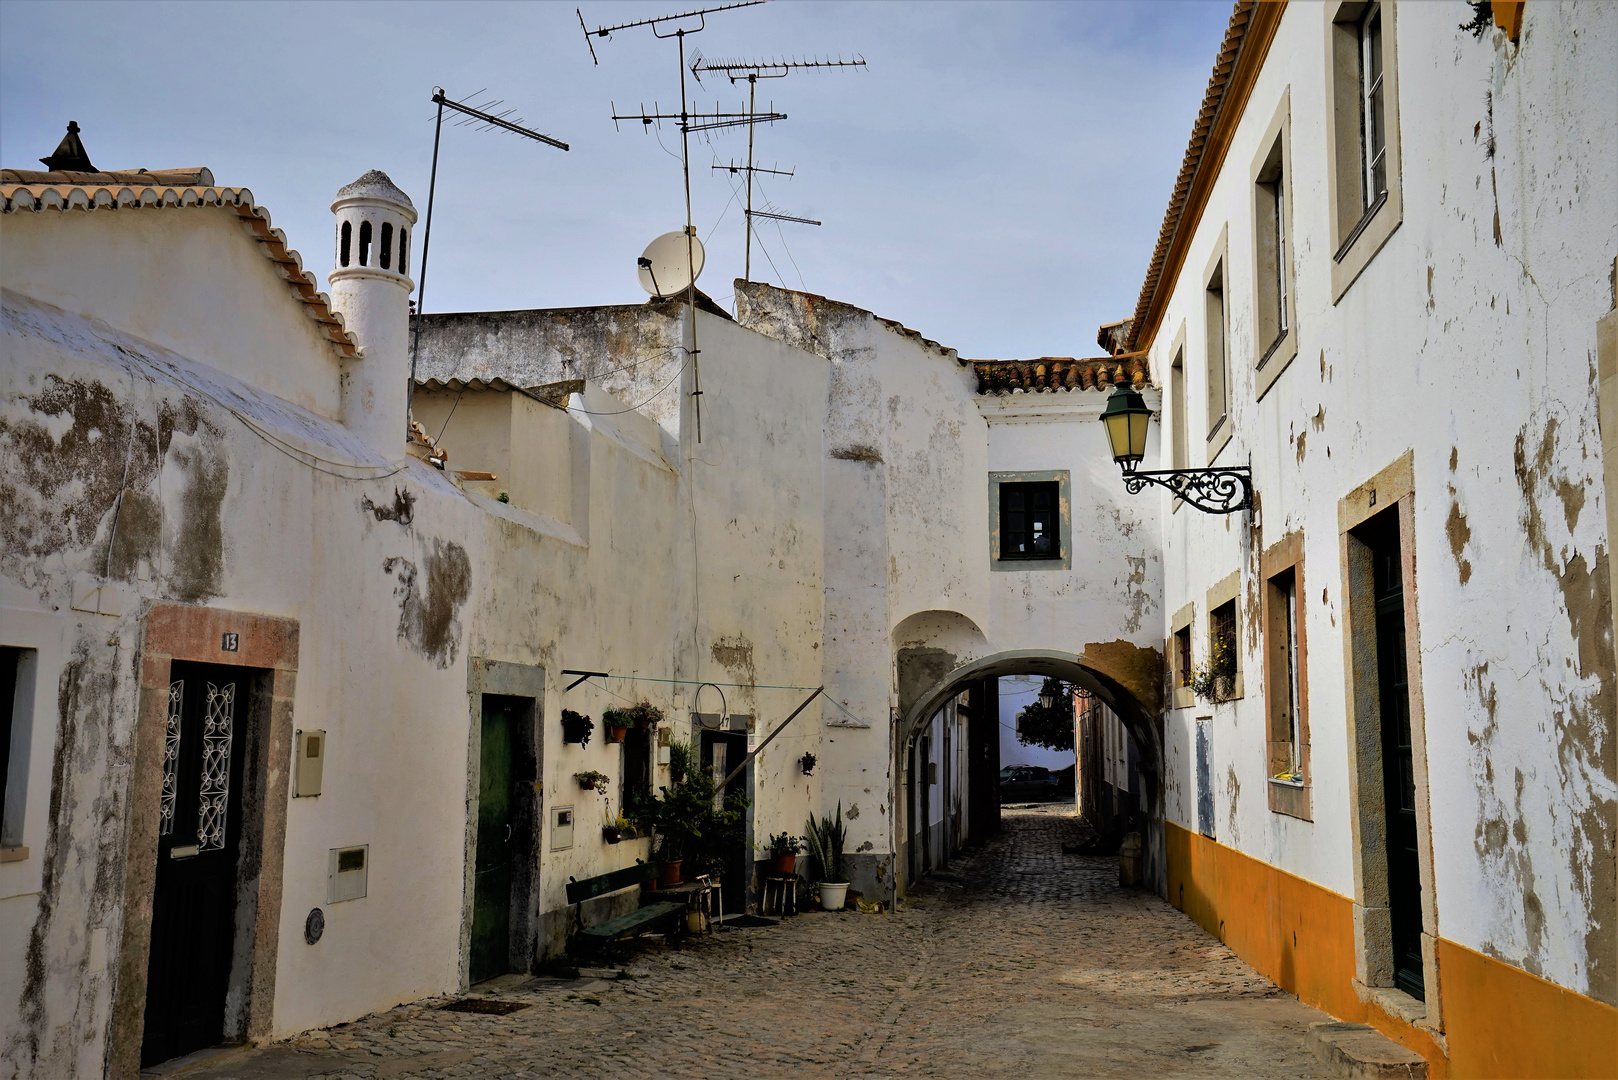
(832, 895)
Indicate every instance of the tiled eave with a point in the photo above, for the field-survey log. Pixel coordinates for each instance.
(1241, 55)
(66, 195)
(1056, 373)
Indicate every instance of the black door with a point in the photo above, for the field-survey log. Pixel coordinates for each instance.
(722, 751)
(491, 889)
(1398, 767)
(199, 829)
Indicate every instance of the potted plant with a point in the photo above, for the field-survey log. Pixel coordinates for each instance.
(592, 781)
(692, 831)
(576, 727)
(680, 761)
(643, 715)
(617, 722)
(1214, 680)
(825, 842)
(618, 827)
(784, 848)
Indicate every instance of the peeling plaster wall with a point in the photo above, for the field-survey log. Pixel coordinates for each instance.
(1469, 340)
(908, 448)
(395, 583)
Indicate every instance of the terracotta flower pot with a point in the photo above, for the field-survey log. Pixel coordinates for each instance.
(668, 874)
(783, 864)
(616, 734)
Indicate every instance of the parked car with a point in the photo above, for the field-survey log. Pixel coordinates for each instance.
(1027, 783)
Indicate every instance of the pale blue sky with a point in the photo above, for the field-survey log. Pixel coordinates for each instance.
(996, 179)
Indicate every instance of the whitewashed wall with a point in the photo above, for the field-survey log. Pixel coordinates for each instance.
(1470, 341)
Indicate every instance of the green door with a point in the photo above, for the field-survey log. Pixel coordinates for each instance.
(491, 892)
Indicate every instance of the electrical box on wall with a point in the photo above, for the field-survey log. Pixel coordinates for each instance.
(310, 763)
(561, 827)
(346, 872)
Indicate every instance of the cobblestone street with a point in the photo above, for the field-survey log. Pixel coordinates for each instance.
(1019, 962)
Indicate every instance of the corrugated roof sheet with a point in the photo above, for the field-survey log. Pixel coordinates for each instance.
(28, 190)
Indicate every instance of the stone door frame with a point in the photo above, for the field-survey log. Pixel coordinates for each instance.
(269, 646)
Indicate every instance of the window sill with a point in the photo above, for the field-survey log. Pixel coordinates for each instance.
(1365, 240)
(1218, 439)
(1276, 359)
(1182, 698)
(13, 854)
(1290, 798)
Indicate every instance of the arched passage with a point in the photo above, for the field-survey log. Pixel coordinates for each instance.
(1101, 675)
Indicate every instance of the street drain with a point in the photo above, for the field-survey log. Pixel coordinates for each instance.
(487, 1006)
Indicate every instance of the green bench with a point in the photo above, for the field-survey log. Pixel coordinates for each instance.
(592, 938)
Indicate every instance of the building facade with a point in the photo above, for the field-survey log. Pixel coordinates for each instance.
(1382, 284)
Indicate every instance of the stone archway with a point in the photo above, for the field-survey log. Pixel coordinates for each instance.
(1125, 677)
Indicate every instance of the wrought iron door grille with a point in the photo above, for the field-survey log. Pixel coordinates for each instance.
(218, 723)
(171, 759)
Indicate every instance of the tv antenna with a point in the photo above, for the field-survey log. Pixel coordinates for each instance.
(687, 122)
(753, 71)
(482, 118)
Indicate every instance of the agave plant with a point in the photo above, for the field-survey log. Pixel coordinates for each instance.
(824, 839)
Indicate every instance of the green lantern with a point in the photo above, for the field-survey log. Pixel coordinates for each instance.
(1125, 418)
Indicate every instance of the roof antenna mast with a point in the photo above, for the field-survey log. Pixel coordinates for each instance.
(482, 117)
(664, 26)
(753, 71)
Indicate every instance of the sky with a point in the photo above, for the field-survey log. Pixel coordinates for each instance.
(994, 178)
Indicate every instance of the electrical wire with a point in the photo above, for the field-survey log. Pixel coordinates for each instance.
(632, 408)
(295, 453)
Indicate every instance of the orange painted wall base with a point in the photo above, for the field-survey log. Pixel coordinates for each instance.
(1499, 1020)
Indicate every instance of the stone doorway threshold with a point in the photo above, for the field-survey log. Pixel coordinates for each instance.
(213, 1055)
(1361, 1051)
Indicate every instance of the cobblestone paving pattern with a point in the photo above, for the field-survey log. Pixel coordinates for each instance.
(1018, 962)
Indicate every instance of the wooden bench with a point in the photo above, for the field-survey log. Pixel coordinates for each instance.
(643, 918)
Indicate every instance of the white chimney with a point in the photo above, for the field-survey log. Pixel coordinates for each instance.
(370, 285)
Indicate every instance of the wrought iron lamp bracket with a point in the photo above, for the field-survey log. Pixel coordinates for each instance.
(1213, 491)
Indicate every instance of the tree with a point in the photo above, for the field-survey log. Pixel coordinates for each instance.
(1048, 726)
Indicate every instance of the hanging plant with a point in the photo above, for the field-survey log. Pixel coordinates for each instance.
(643, 715)
(1214, 679)
(576, 727)
(592, 781)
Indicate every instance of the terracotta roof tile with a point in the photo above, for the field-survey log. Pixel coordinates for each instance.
(1212, 98)
(26, 190)
(1060, 373)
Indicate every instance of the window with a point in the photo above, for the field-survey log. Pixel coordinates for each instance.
(404, 251)
(1182, 653)
(1286, 677)
(1218, 383)
(636, 773)
(1275, 343)
(1029, 524)
(387, 244)
(345, 235)
(1028, 521)
(1181, 661)
(1373, 139)
(1222, 649)
(13, 743)
(1180, 455)
(1363, 143)
(365, 243)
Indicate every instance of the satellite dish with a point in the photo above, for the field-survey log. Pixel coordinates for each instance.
(664, 270)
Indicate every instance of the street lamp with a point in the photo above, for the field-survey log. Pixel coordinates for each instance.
(1213, 491)
(1047, 700)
